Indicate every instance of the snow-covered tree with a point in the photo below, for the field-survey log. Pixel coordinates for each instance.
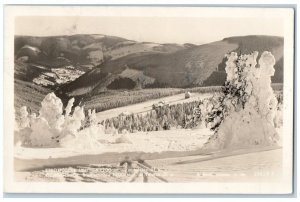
(53, 128)
(245, 113)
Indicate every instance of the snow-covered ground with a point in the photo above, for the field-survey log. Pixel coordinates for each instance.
(155, 141)
(241, 165)
(175, 155)
(248, 165)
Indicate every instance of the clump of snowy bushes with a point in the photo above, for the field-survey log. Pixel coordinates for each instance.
(247, 112)
(55, 127)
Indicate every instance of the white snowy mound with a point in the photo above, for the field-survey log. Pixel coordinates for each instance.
(239, 131)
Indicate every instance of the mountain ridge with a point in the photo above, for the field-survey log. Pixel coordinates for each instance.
(98, 62)
(202, 65)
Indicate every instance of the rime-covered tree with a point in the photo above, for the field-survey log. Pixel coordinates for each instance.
(244, 114)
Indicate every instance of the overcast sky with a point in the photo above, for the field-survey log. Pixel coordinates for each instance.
(151, 29)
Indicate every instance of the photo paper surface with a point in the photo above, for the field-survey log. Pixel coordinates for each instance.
(103, 99)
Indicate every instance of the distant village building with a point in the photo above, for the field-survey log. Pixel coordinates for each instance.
(187, 95)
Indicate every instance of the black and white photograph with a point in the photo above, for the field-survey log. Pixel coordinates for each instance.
(148, 99)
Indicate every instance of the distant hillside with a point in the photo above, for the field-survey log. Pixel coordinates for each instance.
(57, 51)
(82, 52)
(193, 66)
